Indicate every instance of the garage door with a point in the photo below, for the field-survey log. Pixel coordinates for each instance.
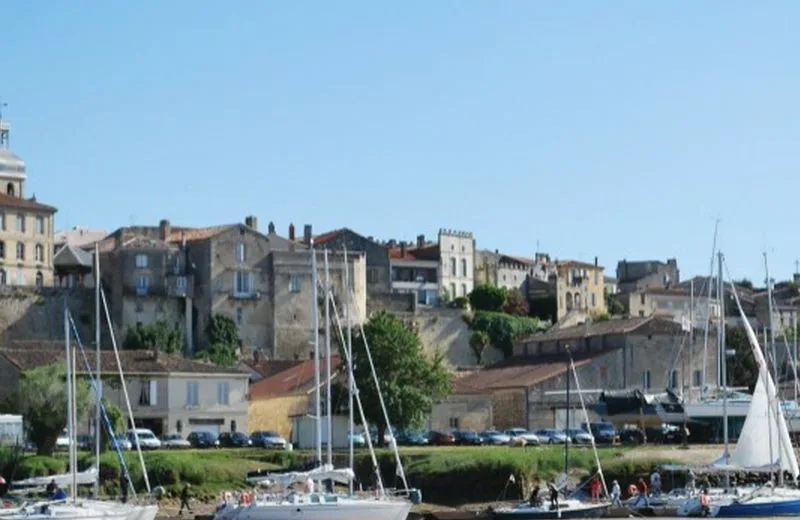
(206, 427)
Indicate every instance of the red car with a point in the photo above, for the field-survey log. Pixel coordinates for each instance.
(442, 438)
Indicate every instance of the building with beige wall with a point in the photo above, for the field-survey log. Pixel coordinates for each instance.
(26, 225)
(580, 288)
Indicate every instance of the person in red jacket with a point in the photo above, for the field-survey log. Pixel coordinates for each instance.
(594, 487)
(643, 492)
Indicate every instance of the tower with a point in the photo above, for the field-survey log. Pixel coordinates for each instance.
(12, 167)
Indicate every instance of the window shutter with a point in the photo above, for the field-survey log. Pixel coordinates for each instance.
(153, 392)
(252, 283)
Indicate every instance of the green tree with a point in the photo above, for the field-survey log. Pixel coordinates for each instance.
(742, 368)
(744, 282)
(154, 336)
(116, 418)
(516, 303)
(614, 306)
(410, 381)
(223, 340)
(41, 398)
(488, 298)
(504, 330)
(478, 343)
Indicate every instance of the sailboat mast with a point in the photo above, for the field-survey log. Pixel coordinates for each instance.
(706, 326)
(566, 430)
(73, 437)
(349, 364)
(794, 360)
(771, 333)
(723, 365)
(98, 379)
(70, 425)
(315, 310)
(328, 358)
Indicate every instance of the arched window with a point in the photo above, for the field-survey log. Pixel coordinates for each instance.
(569, 301)
(10, 189)
(39, 250)
(39, 280)
(577, 300)
(20, 251)
(453, 271)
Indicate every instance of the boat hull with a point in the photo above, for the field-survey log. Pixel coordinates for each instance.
(531, 513)
(758, 507)
(365, 509)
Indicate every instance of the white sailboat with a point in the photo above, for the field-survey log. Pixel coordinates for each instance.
(764, 445)
(312, 504)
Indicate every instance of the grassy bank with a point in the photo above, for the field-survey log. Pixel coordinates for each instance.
(445, 475)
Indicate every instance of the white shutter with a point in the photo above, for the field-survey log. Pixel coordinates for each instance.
(153, 392)
(252, 285)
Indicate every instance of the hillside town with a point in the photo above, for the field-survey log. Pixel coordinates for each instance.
(626, 323)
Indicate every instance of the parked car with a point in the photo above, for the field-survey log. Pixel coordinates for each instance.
(203, 439)
(441, 438)
(123, 442)
(234, 440)
(552, 436)
(495, 438)
(174, 441)
(631, 434)
(388, 437)
(63, 441)
(579, 436)
(468, 438)
(604, 432)
(412, 438)
(85, 442)
(268, 439)
(359, 441)
(516, 434)
(147, 439)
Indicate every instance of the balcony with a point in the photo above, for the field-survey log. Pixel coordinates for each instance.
(131, 289)
(252, 295)
(180, 285)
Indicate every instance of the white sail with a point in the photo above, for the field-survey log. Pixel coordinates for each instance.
(325, 472)
(62, 480)
(764, 426)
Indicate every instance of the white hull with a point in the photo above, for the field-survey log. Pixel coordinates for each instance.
(64, 512)
(131, 511)
(338, 509)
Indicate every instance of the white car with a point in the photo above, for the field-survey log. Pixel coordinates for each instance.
(531, 439)
(123, 442)
(147, 439)
(63, 441)
(579, 436)
(174, 441)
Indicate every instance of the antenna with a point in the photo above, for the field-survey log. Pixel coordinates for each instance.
(2, 104)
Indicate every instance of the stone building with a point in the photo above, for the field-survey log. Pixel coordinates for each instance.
(26, 225)
(632, 276)
(580, 288)
(510, 271)
(377, 256)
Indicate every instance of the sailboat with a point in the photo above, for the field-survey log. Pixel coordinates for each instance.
(765, 422)
(312, 504)
(569, 507)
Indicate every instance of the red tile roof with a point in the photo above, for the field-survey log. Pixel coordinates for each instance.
(266, 367)
(512, 377)
(426, 252)
(577, 263)
(330, 235)
(292, 380)
(9, 201)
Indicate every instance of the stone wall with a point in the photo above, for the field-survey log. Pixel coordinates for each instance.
(445, 330)
(472, 412)
(29, 314)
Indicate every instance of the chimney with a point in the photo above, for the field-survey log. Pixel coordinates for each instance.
(291, 232)
(307, 234)
(420, 240)
(164, 230)
(595, 261)
(402, 249)
(251, 222)
(271, 228)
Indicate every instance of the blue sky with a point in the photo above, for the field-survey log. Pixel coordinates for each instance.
(617, 130)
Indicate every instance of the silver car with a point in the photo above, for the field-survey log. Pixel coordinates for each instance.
(579, 436)
(552, 436)
(531, 439)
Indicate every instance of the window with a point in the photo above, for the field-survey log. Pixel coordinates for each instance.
(141, 261)
(20, 251)
(2, 249)
(464, 267)
(239, 316)
(39, 280)
(240, 253)
(223, 393)
(21, 223)
(139, 306)
(453, 267)
(641, 298)
(697, 378)
(149, 393)
(673, 379)
(181, 282)
(39, 253)
(2, 221)
(243, 283)
(192, 393)
(40, 224)
(464, 290)
(3, 280)
(142, 284)
(20, 277)
(569, 301)
(594, 300)
(294, 283)
(646, 380)
(452, 291)
(373, 275)
(454, 423)
(10, 189)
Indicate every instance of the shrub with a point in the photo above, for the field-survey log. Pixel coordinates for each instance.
(503, 329)
(488, 298)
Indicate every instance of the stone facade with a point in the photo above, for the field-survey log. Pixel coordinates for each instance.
(26, 226)
(580, 288)
(377, 256)
(463, 412)
(675, 304)
(457, 262)
(633, 276)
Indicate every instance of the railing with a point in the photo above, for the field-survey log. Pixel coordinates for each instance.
(253, 295)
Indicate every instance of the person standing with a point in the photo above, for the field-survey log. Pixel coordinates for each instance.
(553, 495)
(594, 486)
(643, 493)
(123, 488)
(655, 482)
(615, 494)
(185, 496)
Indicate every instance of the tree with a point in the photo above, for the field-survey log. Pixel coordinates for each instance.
(223, 340)
(488, 298)
(478, 343)
(159, 336)
(516, 303)
(742, 368)
(614, 306)
(410, 381)
(41, 398)
(117, 421)
(744, 282)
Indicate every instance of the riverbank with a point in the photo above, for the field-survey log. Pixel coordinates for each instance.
(442, 473)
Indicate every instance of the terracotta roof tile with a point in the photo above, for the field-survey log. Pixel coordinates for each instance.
(577, 263)
(294, 379)
(266, 368)
(519, 376)
(8, 201)
(614, 326)
(330, 235)
(32, 354)
(178, 234)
